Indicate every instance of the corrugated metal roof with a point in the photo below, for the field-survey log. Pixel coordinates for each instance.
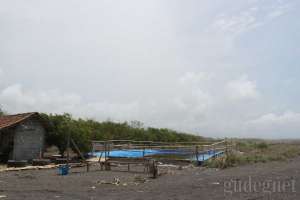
(7, 121)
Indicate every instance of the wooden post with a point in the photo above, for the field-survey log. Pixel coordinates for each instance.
(93, 149)
(87, 166)
(203, 153)
(153, 169)
(197, 152)
(68, 148)
(105, 156)
(80, 154)
(101, 164)
(105, 151)
(214, 150)
(226, 147)
(77, 149)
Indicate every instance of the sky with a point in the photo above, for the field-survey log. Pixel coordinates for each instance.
(209, 67)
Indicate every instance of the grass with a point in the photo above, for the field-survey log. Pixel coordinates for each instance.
(255, 152)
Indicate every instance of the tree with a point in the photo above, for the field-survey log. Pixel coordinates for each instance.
(83, 131)
(58, 131)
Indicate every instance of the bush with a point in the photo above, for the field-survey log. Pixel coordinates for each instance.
(83, 131)
(262, 146)
(229, 160)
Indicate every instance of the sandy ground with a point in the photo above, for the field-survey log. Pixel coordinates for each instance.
(276, 180)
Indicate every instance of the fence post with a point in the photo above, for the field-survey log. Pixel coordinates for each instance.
(203, 153)
(214, 150)
(226, 147)
(197, 153)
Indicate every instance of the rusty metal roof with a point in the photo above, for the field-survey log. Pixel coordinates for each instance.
(7, 121)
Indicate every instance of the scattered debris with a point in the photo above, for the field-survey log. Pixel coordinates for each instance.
(51, 166)
(28, 168)
(136, 181)
(3, 196)
(167, 165)
(116, 182)
(139, 180)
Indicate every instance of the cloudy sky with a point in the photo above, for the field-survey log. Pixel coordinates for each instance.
(210, 67)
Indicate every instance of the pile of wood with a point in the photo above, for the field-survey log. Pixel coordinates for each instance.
(28, 168)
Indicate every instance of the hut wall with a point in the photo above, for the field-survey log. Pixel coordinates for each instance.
(6, 144)
(29, 140)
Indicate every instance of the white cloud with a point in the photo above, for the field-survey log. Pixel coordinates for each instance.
(1, 72)
(279, 10)
(235, 25)
(256, 14)
(194, 78)
(169, 65)
(193, 91)
(193, 108)
(16, 99)
(277, 119)
(242, 88)
(285, 125)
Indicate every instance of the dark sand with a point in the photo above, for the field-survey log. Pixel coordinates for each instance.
(267, 180)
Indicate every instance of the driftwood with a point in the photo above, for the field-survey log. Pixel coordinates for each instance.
(28, 168)
(52, 166)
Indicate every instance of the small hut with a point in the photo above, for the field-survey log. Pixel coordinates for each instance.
(21, 136)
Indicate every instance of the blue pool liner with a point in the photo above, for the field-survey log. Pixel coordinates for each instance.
(139, 153)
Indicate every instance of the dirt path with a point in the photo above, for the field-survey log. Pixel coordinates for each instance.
(277, 180)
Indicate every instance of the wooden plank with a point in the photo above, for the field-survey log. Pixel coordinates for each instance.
(77, 149)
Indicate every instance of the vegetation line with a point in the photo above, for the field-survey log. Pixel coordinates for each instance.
(83, 131)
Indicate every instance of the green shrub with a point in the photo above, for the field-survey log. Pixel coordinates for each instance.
(229, 160)
(256, 152)
(82, 131)
(262, 145)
